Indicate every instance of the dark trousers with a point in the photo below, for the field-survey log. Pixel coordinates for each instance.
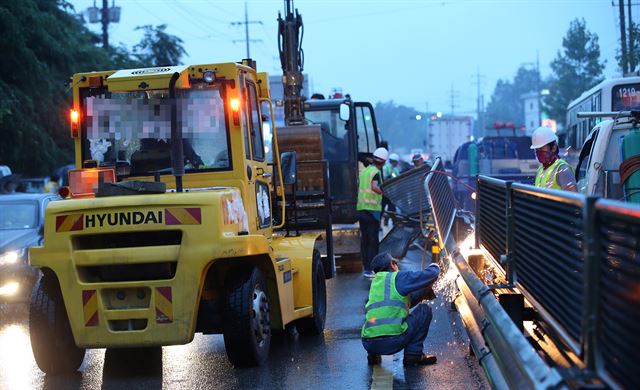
(411, 340)
(369, 227)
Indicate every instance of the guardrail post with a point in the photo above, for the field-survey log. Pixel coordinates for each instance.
(591, 286)
(510, 263)
(477, 212)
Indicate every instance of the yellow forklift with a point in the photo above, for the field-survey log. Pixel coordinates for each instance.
(167, 226)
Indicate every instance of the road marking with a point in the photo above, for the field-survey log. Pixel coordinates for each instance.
(382, 374)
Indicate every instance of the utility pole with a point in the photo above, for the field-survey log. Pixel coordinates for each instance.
(427, 120)
(479, 105)
(453, 95)
(104, 16)
(246, 23)
(105, 24)
(631, 58)
(623, 38)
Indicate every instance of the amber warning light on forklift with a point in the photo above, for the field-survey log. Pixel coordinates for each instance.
(74, 117)
(85, 182)
(235, 110)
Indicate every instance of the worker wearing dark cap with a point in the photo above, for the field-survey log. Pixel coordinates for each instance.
(390, 326)
(417, 160)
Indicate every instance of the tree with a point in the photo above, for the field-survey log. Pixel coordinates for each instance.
(157, 48)
(576, 69)
(398, 126)
(633, 53)
(506, 103)
(48, 44)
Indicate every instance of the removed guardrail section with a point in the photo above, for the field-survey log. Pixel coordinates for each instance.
(442, 200)
(403, 191)
(618, 297)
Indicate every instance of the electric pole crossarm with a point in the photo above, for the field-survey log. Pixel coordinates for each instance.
(246, 22)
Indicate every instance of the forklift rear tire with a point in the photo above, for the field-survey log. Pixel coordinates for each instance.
(52, 343)
(315, 325)
(247, 323)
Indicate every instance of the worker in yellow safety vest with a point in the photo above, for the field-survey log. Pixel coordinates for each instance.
(390, 326)
(369, 208)
(554, 172)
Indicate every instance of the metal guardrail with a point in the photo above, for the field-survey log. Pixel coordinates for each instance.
(618, 296)
(505, 354)
(547, 255)
(492, 222)
(577, 260)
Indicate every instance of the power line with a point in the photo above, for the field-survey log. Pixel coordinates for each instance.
(198, 23)
(246, 24)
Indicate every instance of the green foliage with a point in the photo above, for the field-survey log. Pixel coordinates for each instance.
(634, 55)
(45, 43)
(157, 48)
(575, 69)
(506, 103)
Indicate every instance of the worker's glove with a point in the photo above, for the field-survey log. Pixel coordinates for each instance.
(433, 267)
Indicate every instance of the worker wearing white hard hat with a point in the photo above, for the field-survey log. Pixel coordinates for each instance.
(369, 208)
(554, 172)
(390, 170)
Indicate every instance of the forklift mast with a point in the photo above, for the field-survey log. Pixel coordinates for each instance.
(290, 33)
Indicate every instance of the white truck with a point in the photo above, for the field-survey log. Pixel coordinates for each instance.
(609, 162)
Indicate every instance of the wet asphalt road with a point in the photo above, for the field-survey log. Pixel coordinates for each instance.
(335, 360)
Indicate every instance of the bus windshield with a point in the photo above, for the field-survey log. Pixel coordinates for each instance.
(135, 128)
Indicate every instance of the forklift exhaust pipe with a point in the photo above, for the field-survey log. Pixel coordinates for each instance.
(177, 152)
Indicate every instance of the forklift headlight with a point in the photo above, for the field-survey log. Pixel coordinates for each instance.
(209, 76)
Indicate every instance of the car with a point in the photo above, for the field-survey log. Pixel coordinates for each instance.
(21, 226)
(32, 185)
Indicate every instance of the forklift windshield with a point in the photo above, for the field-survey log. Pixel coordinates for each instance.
(134, 128)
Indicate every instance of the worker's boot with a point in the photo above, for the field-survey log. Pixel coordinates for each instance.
(423, 360)
(374, 359)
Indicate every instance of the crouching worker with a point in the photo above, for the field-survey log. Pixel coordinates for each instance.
(390, 327)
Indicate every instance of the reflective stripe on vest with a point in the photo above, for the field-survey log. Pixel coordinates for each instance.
(546, 178)
(386, 309)
(367, 199)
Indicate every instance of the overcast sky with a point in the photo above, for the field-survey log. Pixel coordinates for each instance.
(411, 52)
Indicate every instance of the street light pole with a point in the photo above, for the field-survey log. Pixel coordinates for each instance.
(428, 122)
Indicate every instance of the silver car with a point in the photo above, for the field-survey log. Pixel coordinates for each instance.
(21, 226)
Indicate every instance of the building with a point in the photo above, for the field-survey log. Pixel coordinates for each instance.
(447, 133)
(531, 102)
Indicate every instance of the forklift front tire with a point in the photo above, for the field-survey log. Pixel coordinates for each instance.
(52, 343)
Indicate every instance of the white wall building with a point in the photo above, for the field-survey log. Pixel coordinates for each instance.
(531, 111)
(446, 134)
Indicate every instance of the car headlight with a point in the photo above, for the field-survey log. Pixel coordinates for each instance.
(9, 289)
(11, 257)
